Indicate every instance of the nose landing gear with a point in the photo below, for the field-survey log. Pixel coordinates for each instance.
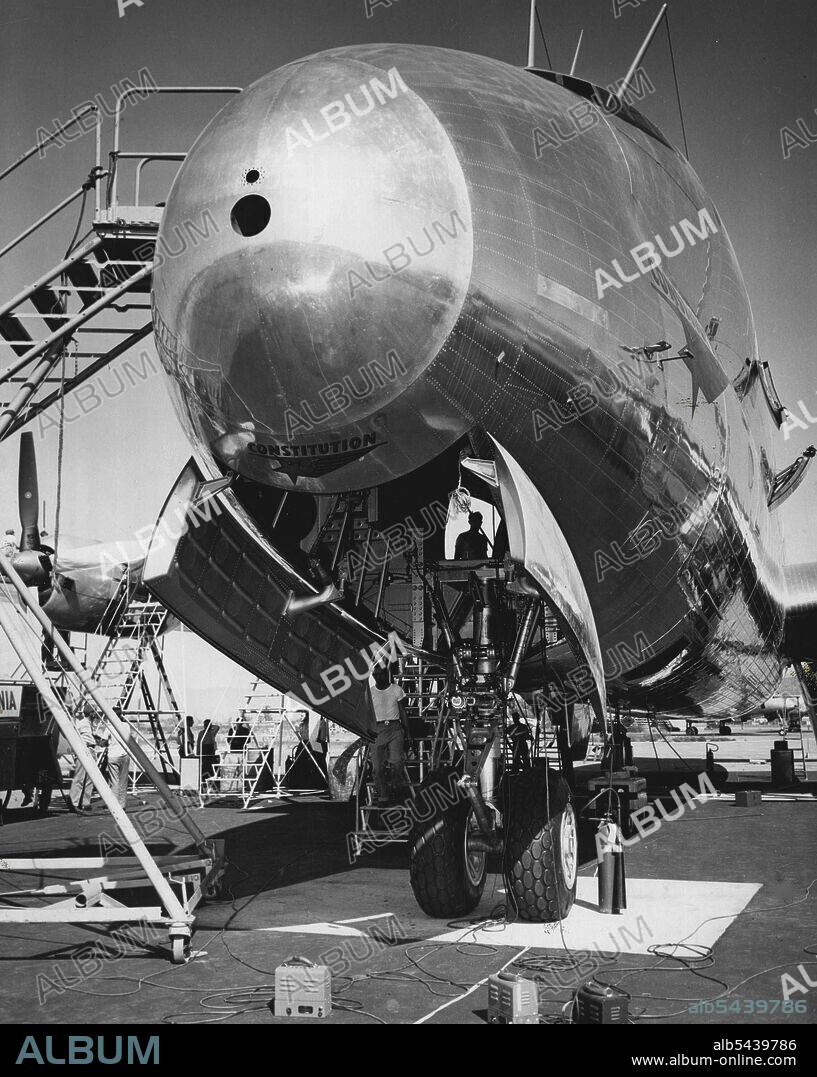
(466, 813)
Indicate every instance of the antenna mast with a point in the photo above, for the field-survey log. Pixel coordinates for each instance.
(576, 56)
(532, 33)
(628, 78)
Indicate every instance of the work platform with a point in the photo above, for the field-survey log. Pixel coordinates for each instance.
(91, 302)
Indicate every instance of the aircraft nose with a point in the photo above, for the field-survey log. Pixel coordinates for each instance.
(337, 264)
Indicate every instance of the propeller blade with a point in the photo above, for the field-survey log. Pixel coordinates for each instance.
(28, 494)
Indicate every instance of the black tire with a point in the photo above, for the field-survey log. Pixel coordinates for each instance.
(541, 848)
(445, 881)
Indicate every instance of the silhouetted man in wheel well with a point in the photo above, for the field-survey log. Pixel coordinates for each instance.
(472, 544)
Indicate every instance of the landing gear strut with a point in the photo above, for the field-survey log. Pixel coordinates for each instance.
(479, 809)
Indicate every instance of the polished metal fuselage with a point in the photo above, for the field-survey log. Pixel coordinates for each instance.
(430, 266)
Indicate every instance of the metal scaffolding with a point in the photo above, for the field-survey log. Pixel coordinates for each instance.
(90, 899)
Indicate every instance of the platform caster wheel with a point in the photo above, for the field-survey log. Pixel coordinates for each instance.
(541, 846)
(181, 950)
(447, 877)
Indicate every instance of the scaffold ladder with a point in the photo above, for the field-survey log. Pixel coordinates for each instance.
(91, 900)
(120, 675)
(239, 773)
(425, 683)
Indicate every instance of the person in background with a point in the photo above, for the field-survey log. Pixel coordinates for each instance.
(206, 748)
(389, 750)
(520, 736)
(238, 736)
(81, 787)
(236, 772)
(319, 741)
(187, 737)
(118, 765)
(472, 544)
(321, 737)
(9, 544)
(306, 768)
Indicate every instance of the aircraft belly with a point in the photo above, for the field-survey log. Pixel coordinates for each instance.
(226, 583)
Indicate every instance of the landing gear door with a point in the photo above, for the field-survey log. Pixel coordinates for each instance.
(536, 541)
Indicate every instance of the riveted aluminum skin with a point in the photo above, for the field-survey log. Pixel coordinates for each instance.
(456, 244)
(302, 349)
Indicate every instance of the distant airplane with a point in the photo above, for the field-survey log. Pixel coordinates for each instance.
(412, 289)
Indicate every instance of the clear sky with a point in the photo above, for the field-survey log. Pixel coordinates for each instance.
(746, 69)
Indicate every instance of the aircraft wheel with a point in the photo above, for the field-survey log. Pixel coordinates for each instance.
(446, 876)
(541, 846)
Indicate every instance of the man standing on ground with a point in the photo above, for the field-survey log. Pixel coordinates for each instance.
(81, 787)
(187, 737)
(392, 732)
(118, 768)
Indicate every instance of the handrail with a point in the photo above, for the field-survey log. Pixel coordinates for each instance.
(46, 217)
(141, 91)
(77, 116)
(69, 327)
(69, 384)
(57, 271)
(147, 160)
(143, 158)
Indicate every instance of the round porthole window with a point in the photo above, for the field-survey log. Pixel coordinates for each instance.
(250, 215)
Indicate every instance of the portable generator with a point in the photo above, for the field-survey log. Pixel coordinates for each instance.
(302, 989)
(512, 1000)
(595, 1004)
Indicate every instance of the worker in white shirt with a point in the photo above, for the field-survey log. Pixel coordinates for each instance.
(392, 732)
(81, 788)
(118, 767)
(9, 544)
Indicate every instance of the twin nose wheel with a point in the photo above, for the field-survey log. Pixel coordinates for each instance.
(540, 860)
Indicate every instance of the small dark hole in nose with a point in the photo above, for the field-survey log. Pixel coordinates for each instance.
(252, 176)
(250, 215)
